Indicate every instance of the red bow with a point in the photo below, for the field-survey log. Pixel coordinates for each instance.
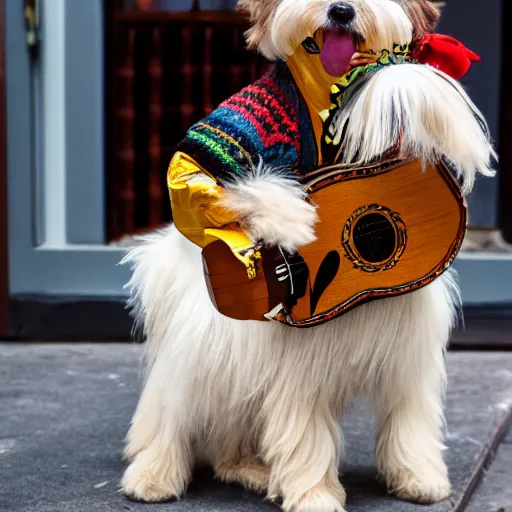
(446, 54)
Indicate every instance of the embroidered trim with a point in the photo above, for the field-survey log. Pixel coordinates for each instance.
(368, 63)
(351, 251)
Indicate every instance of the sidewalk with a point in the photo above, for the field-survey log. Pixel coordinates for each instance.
(495, 491)
(64, 410)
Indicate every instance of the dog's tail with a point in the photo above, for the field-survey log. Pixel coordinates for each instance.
(424, 111)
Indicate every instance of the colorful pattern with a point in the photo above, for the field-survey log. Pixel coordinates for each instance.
(261, 122)
(331, 137)
(269, 122)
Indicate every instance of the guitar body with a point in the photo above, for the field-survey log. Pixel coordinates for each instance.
(384, 230)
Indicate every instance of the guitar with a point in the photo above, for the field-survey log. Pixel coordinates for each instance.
(385, 229)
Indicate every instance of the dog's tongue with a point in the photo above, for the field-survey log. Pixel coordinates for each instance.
(337, 52)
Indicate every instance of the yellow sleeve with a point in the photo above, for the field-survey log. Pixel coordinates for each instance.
(197, 214)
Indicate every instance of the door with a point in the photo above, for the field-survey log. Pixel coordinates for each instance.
(61, 254)
(4, 292)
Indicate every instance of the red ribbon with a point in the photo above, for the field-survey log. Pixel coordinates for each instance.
(446, 54)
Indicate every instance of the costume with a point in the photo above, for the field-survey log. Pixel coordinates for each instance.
(284, 120)
(371, 211)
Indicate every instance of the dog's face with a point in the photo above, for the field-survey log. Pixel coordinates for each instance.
(344, 26)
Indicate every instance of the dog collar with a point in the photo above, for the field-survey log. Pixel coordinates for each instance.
(364, 63)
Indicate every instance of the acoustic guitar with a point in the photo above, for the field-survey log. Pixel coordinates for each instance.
(384, 230)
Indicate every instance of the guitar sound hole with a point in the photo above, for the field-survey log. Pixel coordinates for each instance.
(374, 238)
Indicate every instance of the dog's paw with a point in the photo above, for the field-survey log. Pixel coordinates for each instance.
(145, 484)
(272, 208)
(322, 498)
(249, 473)
(425, 486)
(319, 500)
(290, 230)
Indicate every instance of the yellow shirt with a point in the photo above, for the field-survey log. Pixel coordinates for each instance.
(198, 215)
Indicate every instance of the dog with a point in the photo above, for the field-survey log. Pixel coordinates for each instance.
(259, 401)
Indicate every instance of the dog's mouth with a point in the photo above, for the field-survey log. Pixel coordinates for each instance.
(337, 51)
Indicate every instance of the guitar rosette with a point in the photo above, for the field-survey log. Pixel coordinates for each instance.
(374, 238)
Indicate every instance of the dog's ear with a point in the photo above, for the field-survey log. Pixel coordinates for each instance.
(259, 12)
(424, 16)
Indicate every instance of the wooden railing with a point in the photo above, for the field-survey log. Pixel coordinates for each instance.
(164, 72)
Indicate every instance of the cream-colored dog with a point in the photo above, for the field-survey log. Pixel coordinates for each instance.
(261, 402)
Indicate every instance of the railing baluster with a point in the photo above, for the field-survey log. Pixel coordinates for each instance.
(123, 211)
(155, 115)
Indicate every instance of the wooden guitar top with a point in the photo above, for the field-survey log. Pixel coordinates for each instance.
(384, 230)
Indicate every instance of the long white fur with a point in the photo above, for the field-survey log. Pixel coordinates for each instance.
(219, 385)
(428, 109)
(261, 402)
(271, 206)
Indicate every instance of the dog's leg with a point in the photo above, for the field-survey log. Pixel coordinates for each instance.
(409, 397)
(162, 470)
(146, 420)
(409, 447)
(159, 446)
(159, 437)
(240, 463)
(302, 445)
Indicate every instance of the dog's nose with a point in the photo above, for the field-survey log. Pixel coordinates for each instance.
(341, 12)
